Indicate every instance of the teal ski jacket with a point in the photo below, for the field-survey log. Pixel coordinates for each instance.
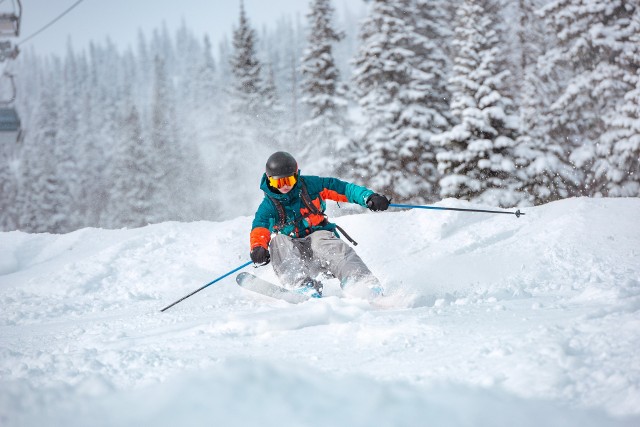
(299, 220)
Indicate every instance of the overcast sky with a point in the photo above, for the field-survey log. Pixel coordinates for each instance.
(120, 20)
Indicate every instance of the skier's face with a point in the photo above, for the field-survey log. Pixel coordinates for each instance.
(285, 189)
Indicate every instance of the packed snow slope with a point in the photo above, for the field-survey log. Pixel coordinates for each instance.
(488, 320)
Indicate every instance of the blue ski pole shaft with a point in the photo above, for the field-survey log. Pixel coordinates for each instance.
(208, 284)
(438, 208)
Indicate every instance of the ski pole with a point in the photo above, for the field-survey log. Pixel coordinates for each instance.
(208, 284)
(438, 208)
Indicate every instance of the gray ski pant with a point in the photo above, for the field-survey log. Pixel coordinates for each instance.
(295, 260)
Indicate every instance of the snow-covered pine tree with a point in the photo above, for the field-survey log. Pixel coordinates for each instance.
(428, 96)
(144, 71)
(623, 163)
(65, 172)
(283, 49)
(544, 170)
(9, 191)
(324, 132)
(9, 147)
(33, 181)
(185, 80)
(100, 129)
(532, 41)
(66, 145)
(395, 79)
(38, 195)
(27, 69)
(271, 118)
(370, 152)
(188, 52)
(133, 184)
(245, 139)
(198, 114)
(224, 62)
(477, 157)
(202, 129)
(171, 199)
(619, 151)
(92, 159)
(246, 70)
(598, 48)
(206, 91)
(162, 45)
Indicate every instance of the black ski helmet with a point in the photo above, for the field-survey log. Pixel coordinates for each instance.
(281, 164)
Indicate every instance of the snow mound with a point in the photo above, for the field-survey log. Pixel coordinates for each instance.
(244, 392)
(487, 320)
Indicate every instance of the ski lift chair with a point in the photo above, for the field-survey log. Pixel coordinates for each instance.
(10, 127)
(10, 22)
(8, 51)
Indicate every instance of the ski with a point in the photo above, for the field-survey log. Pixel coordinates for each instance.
(255, 284)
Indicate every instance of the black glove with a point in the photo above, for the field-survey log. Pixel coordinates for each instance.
(378, 202)
(260, 255)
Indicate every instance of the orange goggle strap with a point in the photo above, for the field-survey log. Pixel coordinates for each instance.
(260, 236)
(281, 182)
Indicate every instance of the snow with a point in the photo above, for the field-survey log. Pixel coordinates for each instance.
(489, 320)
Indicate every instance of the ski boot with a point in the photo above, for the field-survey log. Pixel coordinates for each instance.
(310, 287)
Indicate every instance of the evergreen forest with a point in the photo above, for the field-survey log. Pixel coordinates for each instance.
(499, 102)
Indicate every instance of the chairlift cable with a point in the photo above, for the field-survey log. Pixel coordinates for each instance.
(50, 23)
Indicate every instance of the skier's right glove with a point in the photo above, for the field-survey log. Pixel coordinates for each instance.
(260, 255)
(377, 202)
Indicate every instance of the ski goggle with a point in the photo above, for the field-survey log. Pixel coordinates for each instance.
(289, 181)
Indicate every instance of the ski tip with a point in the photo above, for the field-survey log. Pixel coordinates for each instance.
(242, 276)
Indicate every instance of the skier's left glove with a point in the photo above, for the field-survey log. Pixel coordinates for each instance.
(378, 202)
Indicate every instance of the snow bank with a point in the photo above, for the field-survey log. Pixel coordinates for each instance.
(245, 392)
(488, 320)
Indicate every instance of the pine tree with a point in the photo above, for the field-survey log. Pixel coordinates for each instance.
(397, 73)
(37, 195)
(9, 190)
(100, 130)
(225, 62)
(245, 138)
(428, 95)
(144, 63)
(188, 60)
(623, 171)
(324, 132)
(477, 158)
(65, 149)
(598, 50)
(134, 186)
(206, 85)
(618, 165)
(246, 69)
(271, 119)
(546, 173)
(282, 50)
(92, 159)
(64, 177)
(288, 77)
(532, 42)
(168, 161)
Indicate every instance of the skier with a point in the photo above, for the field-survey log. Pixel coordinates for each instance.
(305, 243)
